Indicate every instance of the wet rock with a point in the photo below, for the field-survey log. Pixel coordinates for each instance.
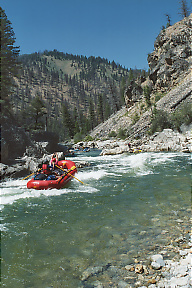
(179, 282)
(139, 268)
(90, 272)
(13, 171)
(123, 284)
(81, 164)
(130, 268)
(151, 281)
(152, 286)
(97, 284)
(157, 261)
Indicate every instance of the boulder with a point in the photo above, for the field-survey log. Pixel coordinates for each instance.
(14, 140)
(157, 261)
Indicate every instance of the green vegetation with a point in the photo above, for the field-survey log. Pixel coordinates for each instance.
(182, 116)
(147, 95)
(9, 64)
(135, 118)
(78, 92)
(112, 134)
(78, 137)
(162, 120)
(122, 133)
(88, 138)
(158, 96)
(184, 9)
(168, 20)
(36, 112)
(33, 117)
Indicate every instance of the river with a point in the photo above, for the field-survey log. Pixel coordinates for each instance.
(128, 206)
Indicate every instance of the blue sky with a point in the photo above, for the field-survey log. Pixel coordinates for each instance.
(119, 30)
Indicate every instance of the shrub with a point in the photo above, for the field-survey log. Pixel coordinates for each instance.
(122, 133)
(135, 118)
(142, 107)
(112, 134)
(88, 138)
(78, 137)
(147, 95)
(182, 116)
(158, 96)
(160, 120)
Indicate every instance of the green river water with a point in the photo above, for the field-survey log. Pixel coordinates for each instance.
(129, 207)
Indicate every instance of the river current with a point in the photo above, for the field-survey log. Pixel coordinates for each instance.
(128, 206)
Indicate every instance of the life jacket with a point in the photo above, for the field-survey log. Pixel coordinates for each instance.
(45, 169)
(54, 160)
(51, 177)
(40, 176)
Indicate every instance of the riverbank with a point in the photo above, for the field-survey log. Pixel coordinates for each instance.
(104, 234)
(22, 166)
(167, 140)
(164, 266)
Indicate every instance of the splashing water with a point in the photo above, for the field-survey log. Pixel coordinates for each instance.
(49, 237)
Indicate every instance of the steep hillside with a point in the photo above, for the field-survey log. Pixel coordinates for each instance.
(78, 92)
(167, 89)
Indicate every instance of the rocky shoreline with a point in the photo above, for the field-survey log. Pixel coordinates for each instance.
(167, 140)
(164, 262)
(166, 265)
(153, 272)
(22, 166)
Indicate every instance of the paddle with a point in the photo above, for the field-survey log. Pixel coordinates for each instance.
(31, 174)
(69, 174)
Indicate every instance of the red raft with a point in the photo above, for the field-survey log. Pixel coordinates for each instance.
(57, 183)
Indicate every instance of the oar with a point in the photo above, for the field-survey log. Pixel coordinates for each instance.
(70, 175)
(31, 174)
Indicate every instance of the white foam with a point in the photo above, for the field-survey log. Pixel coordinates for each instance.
(95, 174)
(103, 166)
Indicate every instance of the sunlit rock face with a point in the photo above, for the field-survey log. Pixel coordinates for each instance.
(171, 59)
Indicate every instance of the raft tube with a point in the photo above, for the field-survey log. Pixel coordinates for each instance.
(58, 183)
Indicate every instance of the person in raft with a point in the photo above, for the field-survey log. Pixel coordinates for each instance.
(45, 171)
(54, 160)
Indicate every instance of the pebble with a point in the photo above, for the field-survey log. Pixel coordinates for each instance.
(139, 268)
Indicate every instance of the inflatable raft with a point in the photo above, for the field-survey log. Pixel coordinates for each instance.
(67, 168)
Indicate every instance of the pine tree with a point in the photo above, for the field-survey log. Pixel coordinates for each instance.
(8, 61)
(67, 121)
(100, 108)
(37, 110)
(91, 114)
(122, 89)
(184, 10)
(147, 95)
(168, 20)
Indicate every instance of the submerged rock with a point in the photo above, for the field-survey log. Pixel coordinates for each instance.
(157, 261)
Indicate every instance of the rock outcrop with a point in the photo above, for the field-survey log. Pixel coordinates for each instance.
(172, 56)
(134, 91)
(14, 141)
(169, 63)
(170, 77)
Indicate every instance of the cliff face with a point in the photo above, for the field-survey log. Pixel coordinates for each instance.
(169, 63)
(172, 56)
(170, 77)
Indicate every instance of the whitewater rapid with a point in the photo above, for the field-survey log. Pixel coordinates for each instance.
(100, 167)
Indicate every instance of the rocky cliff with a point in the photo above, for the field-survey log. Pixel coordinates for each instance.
(169, 82)
(172, 56)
